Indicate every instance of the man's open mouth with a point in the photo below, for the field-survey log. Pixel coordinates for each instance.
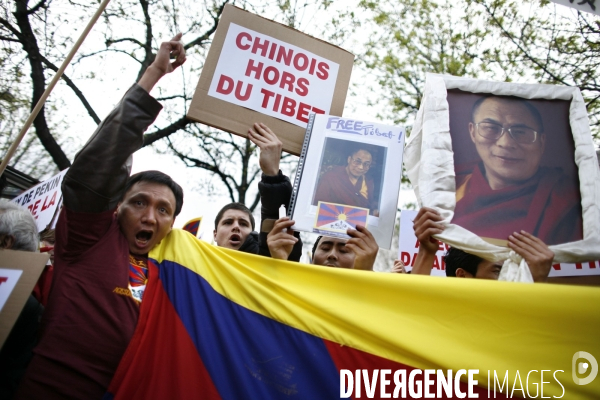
(143, 237)
(235, 239)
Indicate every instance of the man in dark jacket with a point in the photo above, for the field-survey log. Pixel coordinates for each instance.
(234, 224)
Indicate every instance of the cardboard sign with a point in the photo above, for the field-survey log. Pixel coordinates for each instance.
(43, 200)
(19, 271)
(408, 247)
(271, 65)
(8, 281)
(258, 70)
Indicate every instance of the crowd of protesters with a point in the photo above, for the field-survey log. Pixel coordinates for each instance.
(88, 297)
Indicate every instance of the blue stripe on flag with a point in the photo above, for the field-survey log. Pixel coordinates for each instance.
(268, 359)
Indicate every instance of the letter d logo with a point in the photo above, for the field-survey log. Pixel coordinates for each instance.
(582, 367)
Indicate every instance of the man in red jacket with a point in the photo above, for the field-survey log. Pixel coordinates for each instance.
(108, 224)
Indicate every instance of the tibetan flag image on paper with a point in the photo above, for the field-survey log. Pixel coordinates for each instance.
(193, 226)
(222, 324)
(337, 218)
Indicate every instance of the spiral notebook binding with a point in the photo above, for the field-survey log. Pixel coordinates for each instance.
(309, 127)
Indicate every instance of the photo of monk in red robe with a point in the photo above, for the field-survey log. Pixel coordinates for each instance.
(507, 188)
(350, 184)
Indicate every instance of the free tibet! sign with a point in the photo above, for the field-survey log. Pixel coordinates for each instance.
(258, 70)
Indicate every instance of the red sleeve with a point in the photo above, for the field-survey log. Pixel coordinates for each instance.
(76, 232)
(41, 290)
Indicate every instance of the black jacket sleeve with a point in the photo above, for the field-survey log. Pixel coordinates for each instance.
(275, 191)
(98, 175)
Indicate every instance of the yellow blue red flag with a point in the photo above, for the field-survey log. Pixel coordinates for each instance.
(222, 324)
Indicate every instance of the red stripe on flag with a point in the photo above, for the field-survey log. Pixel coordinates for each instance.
(178, 364)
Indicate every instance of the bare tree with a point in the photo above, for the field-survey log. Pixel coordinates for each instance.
(129, 30)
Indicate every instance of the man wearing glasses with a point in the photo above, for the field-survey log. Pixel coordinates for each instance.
(508, 191)
(348, 184)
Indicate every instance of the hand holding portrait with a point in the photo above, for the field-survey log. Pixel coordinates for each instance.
(364, 246)
(535, 252)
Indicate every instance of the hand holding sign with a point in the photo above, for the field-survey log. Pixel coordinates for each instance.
(270, 148)
(426, 224)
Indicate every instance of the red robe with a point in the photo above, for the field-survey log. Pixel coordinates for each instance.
(335, 187)
(548, 205)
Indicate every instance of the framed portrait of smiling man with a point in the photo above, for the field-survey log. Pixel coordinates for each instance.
(496, 158)
(514, 167)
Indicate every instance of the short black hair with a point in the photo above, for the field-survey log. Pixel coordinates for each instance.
(315, 247)
(160, 178)
(456, 258)
(234, 206)
(532, 109)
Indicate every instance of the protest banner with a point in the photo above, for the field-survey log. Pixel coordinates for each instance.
(19, 271)
(545, 193)
(44, 201)
(408, 247)
(258, 70)
(349, 173)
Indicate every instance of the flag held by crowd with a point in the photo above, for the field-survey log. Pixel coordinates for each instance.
(220, 324)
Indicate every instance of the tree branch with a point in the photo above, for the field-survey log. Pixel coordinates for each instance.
(204, 165)
(75, 89)
(106, 51)
(203, 38)
(29, 43)
(177, 96)
(39, 5)
(7, 39)
(523, 50)
(111, 41)
(150, 138)
(147, 45)
(11, 28)
(255, 202)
